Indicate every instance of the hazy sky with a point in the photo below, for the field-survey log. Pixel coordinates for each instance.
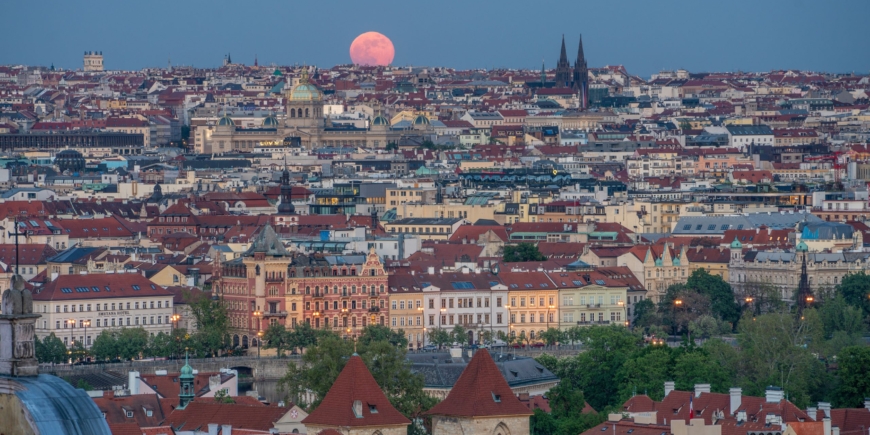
(643, 35)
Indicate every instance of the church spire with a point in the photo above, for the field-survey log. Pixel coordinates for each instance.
(563, 57)
(543, 74)
(581, 58)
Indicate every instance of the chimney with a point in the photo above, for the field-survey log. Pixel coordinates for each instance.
(133, 382)
(213, 429)
(826, 408)
(226, 430)
(813, 412)
(773, 394)
(430, 270)
(867, 403)
(736, 395)
(826, 422)
(669, 386)
(835, 430)
(701, 388)
(108, 394)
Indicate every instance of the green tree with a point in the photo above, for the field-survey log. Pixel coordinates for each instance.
(132, 342)
(645, 373)
(212, 321)
(440, 337)
(105, 346)
(645, 314)
(723, 304)
(277, 337)
(552, 336)
(322, 363)
(596, 370)
(774, 350)
(567, 405)
(84, 385)
(854, 373)
(375, 332)
(160, 345)
(855, 289)
(221, 396)
(303, 335)
(50, 350)
(392, 146)
(522, 252)
(696, 366)
(459, 335)
(707, 326)
(762, 298)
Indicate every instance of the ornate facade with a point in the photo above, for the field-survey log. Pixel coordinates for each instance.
(304, 120)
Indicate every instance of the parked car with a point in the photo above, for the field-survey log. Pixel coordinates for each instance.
(429, 348)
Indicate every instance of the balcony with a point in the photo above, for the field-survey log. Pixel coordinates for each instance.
(317, 295)
(374, 310)
(373, 294)
(593, 322)
(275, 314)
(593, 305)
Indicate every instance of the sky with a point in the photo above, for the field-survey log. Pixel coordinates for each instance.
(645, 36)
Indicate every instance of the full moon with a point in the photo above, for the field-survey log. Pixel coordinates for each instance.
(373, 49)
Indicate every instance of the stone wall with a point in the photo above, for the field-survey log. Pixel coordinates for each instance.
(507, 425)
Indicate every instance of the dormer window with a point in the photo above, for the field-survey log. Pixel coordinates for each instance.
(496, 398)
(357, 409)
(129, 414)
(373, 409)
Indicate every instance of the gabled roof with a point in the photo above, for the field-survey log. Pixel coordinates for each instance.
(481, 391)
(355, 383)
(198, 415)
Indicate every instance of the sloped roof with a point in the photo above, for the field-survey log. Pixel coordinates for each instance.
(481, 391)
(355, 382)
(268, 242)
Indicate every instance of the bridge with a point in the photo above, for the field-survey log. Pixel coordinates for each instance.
(259, 369)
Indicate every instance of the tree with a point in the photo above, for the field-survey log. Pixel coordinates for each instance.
(707, 326)
(695, 366)
(440, 337)
(302, 336)
(855, 289)
(719, 292)
(50, 350)
(522, 252)
(322, 363)
(212, 321)
(645, 373)
(854, 373)
(552, 336)
(761, 298)
(596, 371)
(391, 146)
(692, 305)
(132, 342)
(459, 335)
(375, 332)
(160, 345)
(277, 337)
(221, 396)
(645, 314)
(84, 385)
(105, 346)
(567, 416)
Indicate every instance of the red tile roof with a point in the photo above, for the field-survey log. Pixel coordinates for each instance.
(198, 415)
(120, 285)
(355, 383)
(480, 391)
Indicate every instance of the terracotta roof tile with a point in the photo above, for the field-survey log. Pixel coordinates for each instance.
(480, 391)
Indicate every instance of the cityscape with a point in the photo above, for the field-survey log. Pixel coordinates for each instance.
(373, 247)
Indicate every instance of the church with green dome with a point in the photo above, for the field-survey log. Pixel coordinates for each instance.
(304, 122)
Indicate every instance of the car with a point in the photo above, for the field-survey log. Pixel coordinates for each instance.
(429, 348)
(537, 344)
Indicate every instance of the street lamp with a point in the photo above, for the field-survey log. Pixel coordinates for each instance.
(258, 314)
(549, 308)
(86, 323)
(677, 303)
(72, 326)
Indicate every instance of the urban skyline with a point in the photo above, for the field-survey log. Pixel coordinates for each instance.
(744, 36)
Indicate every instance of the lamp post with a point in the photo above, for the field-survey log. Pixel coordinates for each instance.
(72, 325)
(549, 309)
(621, 304)
(17, 232)
(172, 327)
(86, 323)
(677, 303)
(257, 315)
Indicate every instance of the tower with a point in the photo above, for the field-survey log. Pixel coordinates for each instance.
(804, 296)
(581, 77)
(286, 207)
(563, 68)
(187, 393)
(93, 61)
(543, 74)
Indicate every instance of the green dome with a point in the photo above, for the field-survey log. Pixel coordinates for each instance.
(802, 247)
(380, 120)
(187, 370)
(421, 120)
(270, 121)
(736, 244)
(277, 73)
(305, 92)
(226, 120)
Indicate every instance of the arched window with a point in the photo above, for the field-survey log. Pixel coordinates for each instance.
(307, 290)
(292, 113)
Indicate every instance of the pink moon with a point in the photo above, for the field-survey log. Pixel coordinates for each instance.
(372, 49)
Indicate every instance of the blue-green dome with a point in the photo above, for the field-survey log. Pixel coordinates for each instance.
(658, 262)
(270, 121)
(187, 370)
(305, 92)
(277, 72)
(421, 120)
(802, 247)
(226, 120)
(380, 120)
(736, 244)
